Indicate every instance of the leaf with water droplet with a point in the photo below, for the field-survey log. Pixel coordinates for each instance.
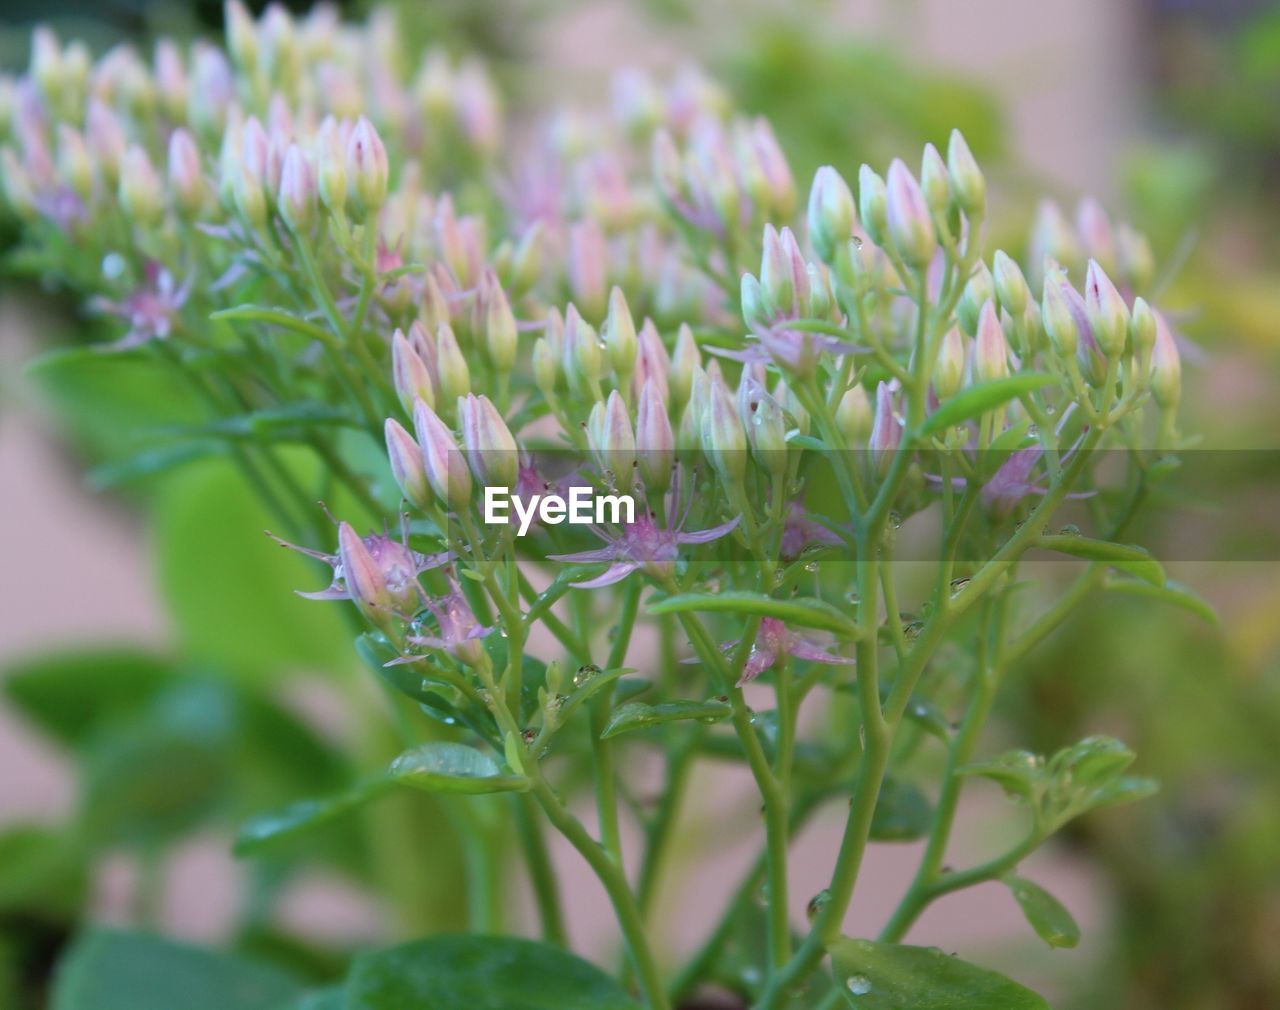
(1020, 772)
(306, 815)
(637, 715)
(890, 976)
(982, 397)
(805, 611)
(1171, 592)
(1137, 561)
(453, 768)
(586, 688)
(1046, 914)
(903, 813)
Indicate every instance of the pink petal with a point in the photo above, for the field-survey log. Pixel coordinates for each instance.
(759, 661)
(612, 574)
(801, 649)
(586, 557)
(706, 536)
(332, 593)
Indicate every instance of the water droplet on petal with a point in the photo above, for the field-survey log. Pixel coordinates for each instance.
(858, 985)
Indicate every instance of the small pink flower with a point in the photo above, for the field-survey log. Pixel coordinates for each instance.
(457, 631)
(799, 532)
(151, 310)
(773, 641)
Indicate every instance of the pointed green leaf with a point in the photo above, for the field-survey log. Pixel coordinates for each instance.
(305, 815)
(453, 768)
(107, 969)
(806, 611)
(890, 976)
(149, 463)
(976, 400)
(903, 813)
(1137, 561)
(587, 683)
(1126, 789)
(1047, 915)
(637, 715)
(479, 973)
(800, 440)
(1171, 592)
(1017, 771)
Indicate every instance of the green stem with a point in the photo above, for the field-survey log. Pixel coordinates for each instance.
(542, 875)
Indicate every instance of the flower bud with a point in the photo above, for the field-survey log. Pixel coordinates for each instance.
(1142, 328)
(909, 225)
(587, 260)
(948, 375)
(452, 373)
(886, 431)
(990, 349)
(491, 449)
(614, 441)
(105, 138)
(1166, 367)
(791, 404)
(723, 439)
(297, 197)
(767, 432)
(853, 416)
(248, 180)
(655, 441)
(831, 213)
(212, 90)
(331, 165)
(140, 189)
(977, 292)
(684, 359)
(367, 170)
(75, 167)
(501, 336)
(619, 333)
(1106, 310)
(935, 184)
(242, 36)
(1060, 322)
(434, 310)
(1053, 237)
(46, 63)
(968, 186)
(780, 186)
(873, 201)
(15, 181)
(546, 367)
(652, 360)
(667, 172)
(407, 468)
(526, 262)
(1010, 286)
(410, 372)
(363, 578)
(1093, 225)
(171, 80)
(446, 469)
(187, 186)
(777, 280)
(1136, 261)
(754, 312)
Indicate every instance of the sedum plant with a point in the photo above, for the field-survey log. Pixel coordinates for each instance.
(633, 456)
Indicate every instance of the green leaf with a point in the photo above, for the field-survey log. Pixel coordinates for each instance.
(42, 872)
(1126, 789)
(978, 399)
(635, 715)
(291, 420)
(298, 818)
(807, 611)
(320, 999)
(149, 463)
(1091, 762)
(1017, 771)
(889, 976)
(115, 970)
(453, 768)
(479, 973)
(1171, 592)
(903, 813)
(797, 438)
(1047, 915)
(1137, 561)
(587, 683)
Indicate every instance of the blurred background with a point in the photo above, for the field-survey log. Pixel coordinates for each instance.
(160, 681)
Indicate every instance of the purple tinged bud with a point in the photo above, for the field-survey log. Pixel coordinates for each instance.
(1142, 328)
(684, 359)
(446, 468)
(1060, 323)
(1106, 310)
(886, 432)
(212, 90)
(75, 167)
(242, 36)
(831, 213)
(1136, 261)
(248, 183)
(935, 183)
(546, 367)
(977, 292)
(723, 438)
(907, 213)
(873, 205)
(968, 186)
(452, 374)
(331, 165)
(948, 375)
(619, 334)
(689, 437)
(491, 449)
(655, 441)
(615, 441)
(410, 373)
(16, 184)
(171, 79)
(1093, 225)
(777, 281)
(754, 312)
(278, 144)
(990, 349)
(667, 170)
(297, 197)
(780, 183)
(105, 138)
(652, 361)
(434, 311)
(1010, 286)
(187, 185)
(766, 425)
(1166, 367)
(367, 170)
(526, 262)
(853, 416)
(407, 468)
(363, 577)
(1052, 237)
(140, 189)
(587, 261)
(501, 338)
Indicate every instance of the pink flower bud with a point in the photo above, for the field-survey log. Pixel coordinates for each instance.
(187, 185)
(990, 349)
(619, 333)
(1166, 367)
(873, 205)
(331, 165)
(886, 431)
(948, 376)
(105, 138)
(655, 441)
(968, 187)
(242, 35)
(297, 197)
(907, 213)
(452, 373)
(1106, 309)
(935, 183)
(977, 292)
(1093, 225)
(1052, 237)
(491, 449)
(446, 468)
(684, 359)
(140, 189)
(754, 311)
(367, 170)
(1060, 323)
(587, 263)
(407, 468)
(171, 79)
(777, 279)
(831, 213)
(1010, 286)
(546, 367)
(723, 438)
(363, 577)
(612, 437)
(853, 416)
(75, 167)
(501, 339)
(779, 183)
(652, 361)
(212, 91)
(410, 373)
(1142, 328)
